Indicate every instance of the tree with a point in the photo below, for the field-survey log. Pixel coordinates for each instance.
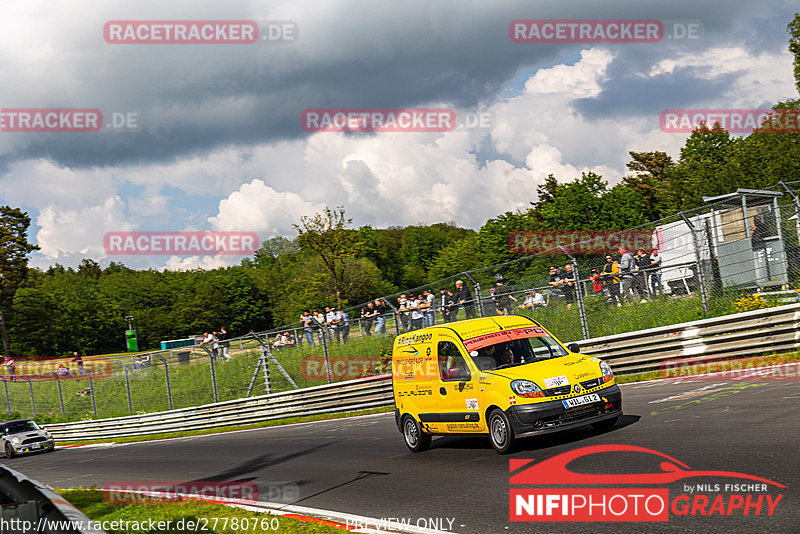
(794, 47)
(648, 181)
(326, 234)
(14, 250)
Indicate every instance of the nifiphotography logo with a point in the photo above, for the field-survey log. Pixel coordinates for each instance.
(632, 497)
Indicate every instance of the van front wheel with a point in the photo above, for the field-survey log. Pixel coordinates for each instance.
(415, 438)
(500, 432)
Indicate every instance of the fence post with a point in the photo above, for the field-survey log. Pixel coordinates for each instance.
(33, 401)
(700, 263)
(578, 292)
(166, 373)
(127, 385)
(8, 399)
(91, 390)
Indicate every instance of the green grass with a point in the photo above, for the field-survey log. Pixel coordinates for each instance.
(90, 501)
(191, 384)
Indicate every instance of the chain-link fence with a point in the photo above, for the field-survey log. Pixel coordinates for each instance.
(739, 252)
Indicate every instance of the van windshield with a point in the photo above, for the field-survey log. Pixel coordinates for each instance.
(513, 348)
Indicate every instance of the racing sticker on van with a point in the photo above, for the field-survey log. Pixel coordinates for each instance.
(485, 340)
(472, 404)
(556, 381)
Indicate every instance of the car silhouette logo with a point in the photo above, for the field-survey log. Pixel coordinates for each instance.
(554, 470)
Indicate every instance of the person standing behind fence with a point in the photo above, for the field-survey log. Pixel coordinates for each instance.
(627, 266)
(76, 358)
(380, 317)
(464, 298)
(502, 297)
(568, 285)
(366, 318)
(224, 343)
(451, 306)
(344, 324)
(9, 363)
(332, 323)
(655, 276)
(416, 312)
(308, 328)
(402, 313)
(320, 324)
(611, 282)
(430, 310)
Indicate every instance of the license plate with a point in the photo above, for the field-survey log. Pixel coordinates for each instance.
(36, 445)
(581, 401)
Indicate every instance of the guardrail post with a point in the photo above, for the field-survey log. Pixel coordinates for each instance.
(33, 401)
(166, 373)
(127, 384)
(60, 395)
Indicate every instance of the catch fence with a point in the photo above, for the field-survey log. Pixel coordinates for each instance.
(740, 252)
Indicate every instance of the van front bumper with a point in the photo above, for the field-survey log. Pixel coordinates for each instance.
(552, 416)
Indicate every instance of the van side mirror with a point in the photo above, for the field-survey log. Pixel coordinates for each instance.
(574, 347)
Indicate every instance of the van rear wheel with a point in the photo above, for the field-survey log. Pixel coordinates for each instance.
(500, 432)
(416, 439)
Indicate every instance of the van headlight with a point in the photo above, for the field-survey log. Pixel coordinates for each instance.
(526, 388)
(608, 374)
(15, 441)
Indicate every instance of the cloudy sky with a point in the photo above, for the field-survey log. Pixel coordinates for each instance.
(219, 145)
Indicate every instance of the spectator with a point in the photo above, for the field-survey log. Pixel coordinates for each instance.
(320, 317)
(502, 297)
(76, 358)
(62, 371)
(451, 306)
(308, 327)
(10, 365)
(380, 317)
(533, 300)
(556, 281)
(210, 338)
(655, 276)
(627, 266)
(642, 272)
(344, 324)
(597, 284)
(288, 339)
(610, 281)
(416, 312)
(568, 285)
(367, 318)
(464, 298)
(430, 312)
(224, 343)
(215, 345)
(279, 341)
(332, 323)
(403, 312)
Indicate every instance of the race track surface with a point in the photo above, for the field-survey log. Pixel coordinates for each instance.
(361, 465)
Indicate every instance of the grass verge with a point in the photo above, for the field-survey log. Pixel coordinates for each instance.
(177, 515)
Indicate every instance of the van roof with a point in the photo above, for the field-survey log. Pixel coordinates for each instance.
(476, 327)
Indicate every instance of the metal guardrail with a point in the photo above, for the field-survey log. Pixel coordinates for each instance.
(732, 336)
(360, 394)
(729, 336)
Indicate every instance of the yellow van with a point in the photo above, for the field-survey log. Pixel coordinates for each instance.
(504, 376)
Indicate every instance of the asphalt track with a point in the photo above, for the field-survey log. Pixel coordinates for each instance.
(361, 465)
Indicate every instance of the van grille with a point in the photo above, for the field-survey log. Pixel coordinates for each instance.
(562, 390)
